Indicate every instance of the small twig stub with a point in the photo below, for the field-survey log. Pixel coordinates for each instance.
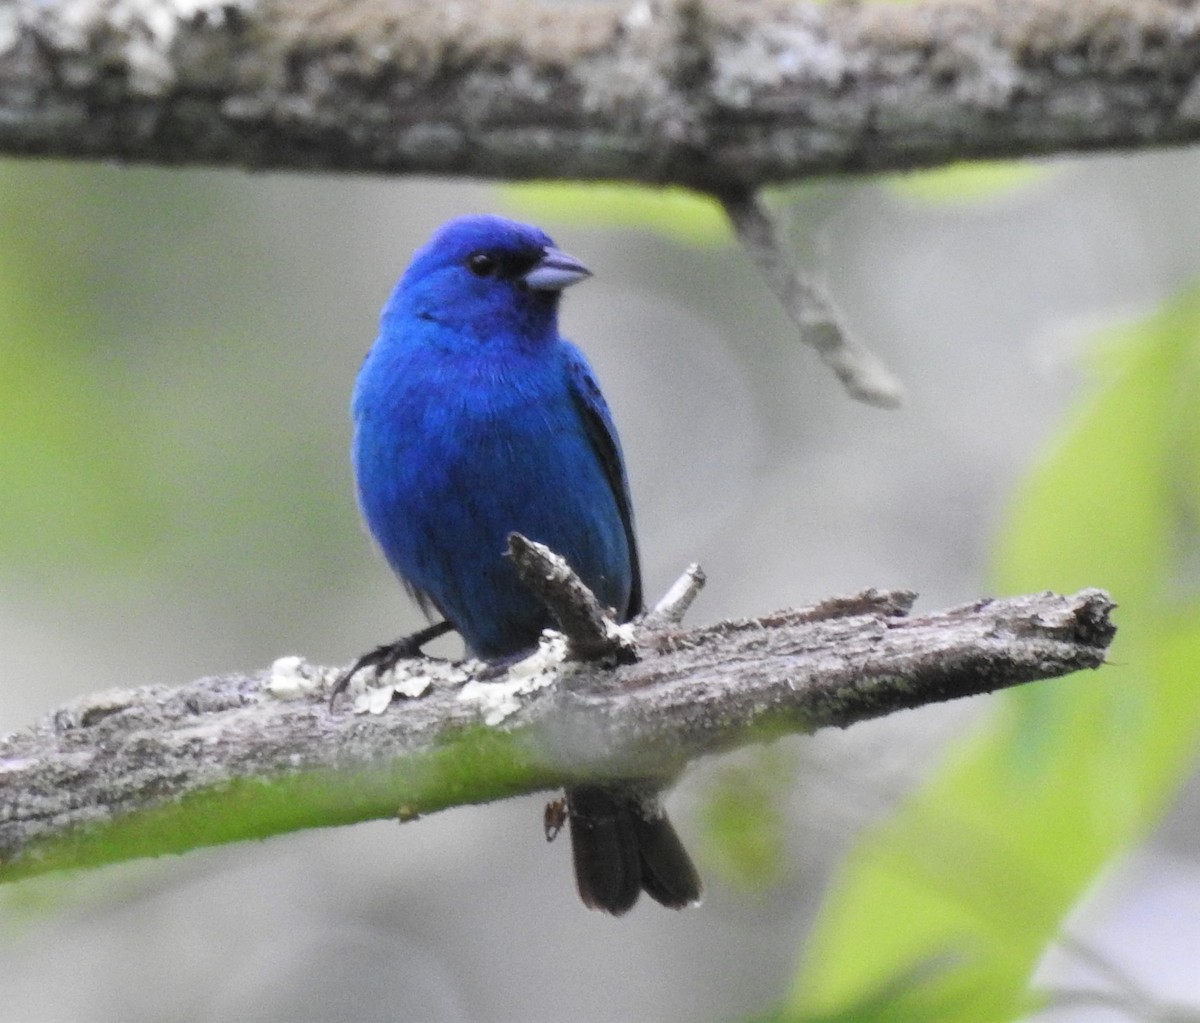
(593, 634)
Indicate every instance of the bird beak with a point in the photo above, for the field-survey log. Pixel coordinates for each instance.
(555, 271)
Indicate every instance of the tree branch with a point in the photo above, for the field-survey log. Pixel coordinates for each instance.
(860, 371)
(717, 95)
(591, 633)
(146, 771)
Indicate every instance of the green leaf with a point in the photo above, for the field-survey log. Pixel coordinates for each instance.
(984, 862)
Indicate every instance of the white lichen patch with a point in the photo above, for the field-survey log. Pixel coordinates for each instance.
(9, 27)
(502, 698)
(162, 19)
(777, 56)
(622, 633)
(293, 678)
(408, 680)
(638, 16)
(160, 22)
(141, 32)
(17, 765)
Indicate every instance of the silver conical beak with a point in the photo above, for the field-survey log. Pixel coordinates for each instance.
(555, 271)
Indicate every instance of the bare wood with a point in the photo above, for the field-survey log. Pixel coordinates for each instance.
(145, 771)
(674, 604)
(717, 95)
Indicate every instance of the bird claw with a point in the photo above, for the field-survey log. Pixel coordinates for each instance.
(383, 658)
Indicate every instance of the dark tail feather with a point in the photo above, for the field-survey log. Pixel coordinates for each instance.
(668, 875)
(622, 843)
(605, 847)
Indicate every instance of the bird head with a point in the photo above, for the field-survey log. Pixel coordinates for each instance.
(487, 279)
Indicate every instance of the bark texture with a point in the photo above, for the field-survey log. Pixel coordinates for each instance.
(151, 770)
(717, 95)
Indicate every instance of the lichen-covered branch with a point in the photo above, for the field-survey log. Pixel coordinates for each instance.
(717, 95)
(153, 770)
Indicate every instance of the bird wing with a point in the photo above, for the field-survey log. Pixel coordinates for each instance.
(597, 420)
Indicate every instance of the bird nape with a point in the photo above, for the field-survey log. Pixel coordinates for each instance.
(474, 418)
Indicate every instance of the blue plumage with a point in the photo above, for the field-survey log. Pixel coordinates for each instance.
(473, 419)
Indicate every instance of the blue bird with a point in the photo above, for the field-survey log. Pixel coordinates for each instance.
(474, 418)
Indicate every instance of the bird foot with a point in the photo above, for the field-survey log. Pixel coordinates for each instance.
(383, 658)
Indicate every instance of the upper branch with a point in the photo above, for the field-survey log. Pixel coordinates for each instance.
(146, 771)
(712, 94)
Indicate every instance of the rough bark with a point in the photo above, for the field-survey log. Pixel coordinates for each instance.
(157, 769)
(718, 95)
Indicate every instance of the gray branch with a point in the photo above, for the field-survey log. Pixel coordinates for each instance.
(591, 632)
(718, 95)
(146, 771)
(860, 371)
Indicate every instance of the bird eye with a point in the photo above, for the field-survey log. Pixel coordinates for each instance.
(481, 264)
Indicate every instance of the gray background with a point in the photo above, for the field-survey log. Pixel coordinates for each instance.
(230, 313)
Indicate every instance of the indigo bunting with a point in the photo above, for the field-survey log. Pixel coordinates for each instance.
(474, 418)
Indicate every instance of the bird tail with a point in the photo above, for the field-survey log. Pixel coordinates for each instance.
(623, 844)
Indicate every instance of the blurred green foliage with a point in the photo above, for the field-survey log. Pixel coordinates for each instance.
(74, 492)
(947, 907)
(743, 819)
(152, 432)
(971, 182)
(674, 212)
